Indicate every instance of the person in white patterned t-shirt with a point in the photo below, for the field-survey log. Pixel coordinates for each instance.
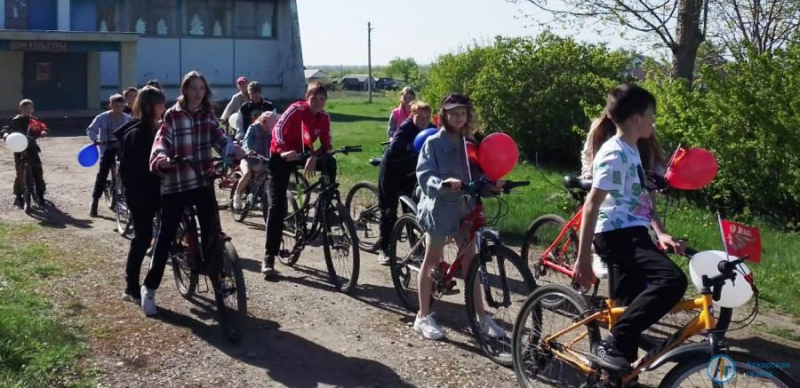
(616, 216)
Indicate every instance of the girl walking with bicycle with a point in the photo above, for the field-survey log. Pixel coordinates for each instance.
(443, 168)
(295, 133)
(616, 216)
(190, 131)
(142, 188)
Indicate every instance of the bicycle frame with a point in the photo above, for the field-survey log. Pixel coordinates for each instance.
(560, 246)
(704, 321)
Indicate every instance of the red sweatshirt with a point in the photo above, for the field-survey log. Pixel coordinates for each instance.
(298, 129)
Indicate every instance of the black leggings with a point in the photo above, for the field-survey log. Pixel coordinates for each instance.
(394, 180)
(634, 261)
(173, 206)
(106, 162)
(142, 214)
(38, 175)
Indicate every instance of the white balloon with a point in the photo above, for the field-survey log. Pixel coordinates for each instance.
(734, 293)
(233, 121)
(17, 142)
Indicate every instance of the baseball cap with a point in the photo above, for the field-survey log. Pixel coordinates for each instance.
(241, 79)
(455, 100)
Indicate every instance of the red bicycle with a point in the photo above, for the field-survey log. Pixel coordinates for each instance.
(497, 270)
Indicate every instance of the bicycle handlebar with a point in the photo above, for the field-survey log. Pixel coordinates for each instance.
(344, 150)
(474, 188)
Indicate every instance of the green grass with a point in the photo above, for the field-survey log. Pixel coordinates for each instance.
(355, 122)
(36, 349)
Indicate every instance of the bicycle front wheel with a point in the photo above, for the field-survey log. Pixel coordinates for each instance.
(734, 369)
(340, 245)
(406, 253)
(293, 239)
(547, 311)
(240, 214)
(362, 202)
(495, 290)
(230, 294)
(27, 189)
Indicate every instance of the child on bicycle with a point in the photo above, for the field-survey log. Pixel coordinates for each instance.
(616, 216)
(189, 130)
(299, 126)
(30, 126)
(101, 133)
(397, 174)
(443, 169)
(252, 109)
(142, 188)
(256, 142)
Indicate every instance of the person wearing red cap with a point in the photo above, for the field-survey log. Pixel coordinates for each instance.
(238, 99)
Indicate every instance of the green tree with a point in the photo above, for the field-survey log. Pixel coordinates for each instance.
(404, 69)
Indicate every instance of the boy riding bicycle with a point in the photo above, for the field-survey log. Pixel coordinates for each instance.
(28, 125)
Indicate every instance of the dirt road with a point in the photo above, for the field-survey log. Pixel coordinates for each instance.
(300, 332)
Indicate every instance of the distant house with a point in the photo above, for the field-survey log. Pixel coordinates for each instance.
(356, 82)
(315, 75)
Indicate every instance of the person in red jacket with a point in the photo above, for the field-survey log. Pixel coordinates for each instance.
(295, 133)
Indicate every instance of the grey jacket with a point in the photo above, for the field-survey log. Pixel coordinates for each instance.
(102, 130)
(440, 211)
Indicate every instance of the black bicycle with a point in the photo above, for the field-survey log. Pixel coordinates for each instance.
(122, 213)
(324, 215)
(255, 193)
(220, 265)
(27, 185)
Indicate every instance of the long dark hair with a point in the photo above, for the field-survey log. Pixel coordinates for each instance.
(144, 107)
(187, 79)
(623, 102)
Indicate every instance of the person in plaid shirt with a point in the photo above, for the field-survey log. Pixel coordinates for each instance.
(189, 130)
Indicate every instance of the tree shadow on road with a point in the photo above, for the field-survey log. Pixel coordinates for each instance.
(287, 358)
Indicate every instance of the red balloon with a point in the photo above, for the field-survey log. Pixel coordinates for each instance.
(691, 169)
(498, 154)
(472, 153)
(436, 120)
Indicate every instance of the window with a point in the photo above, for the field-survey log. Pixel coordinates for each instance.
(255, 19)
(207, 18)
(16, 14)
(107, 15)
(153, 17)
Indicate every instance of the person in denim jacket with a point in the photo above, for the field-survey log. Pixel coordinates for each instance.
(443, 169)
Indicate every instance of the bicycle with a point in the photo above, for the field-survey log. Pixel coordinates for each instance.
(122, 214)
(540, 353)
(255, 192)
(329, 218)
(362, 201)
(511, 278)
(220, 264)
(27, 186)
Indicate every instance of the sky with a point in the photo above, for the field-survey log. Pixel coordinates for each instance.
(334, 32)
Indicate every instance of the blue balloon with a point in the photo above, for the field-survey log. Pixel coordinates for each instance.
(421, 137)
(88, 155)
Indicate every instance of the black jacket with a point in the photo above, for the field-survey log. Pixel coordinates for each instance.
(251, 110)
(21, 125)
(400, 156)
(134, 162)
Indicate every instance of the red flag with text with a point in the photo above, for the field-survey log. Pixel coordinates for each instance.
(741, 240)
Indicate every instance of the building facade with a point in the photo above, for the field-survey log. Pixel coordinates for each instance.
(72, 54)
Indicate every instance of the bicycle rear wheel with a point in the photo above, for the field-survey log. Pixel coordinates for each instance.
(732, 369)
(502, 282)
(27, 188)
(533, 360)
(340, 245)
(542, 232)
(230, 294)
(362, 202)
(237, 215)
(406, 253)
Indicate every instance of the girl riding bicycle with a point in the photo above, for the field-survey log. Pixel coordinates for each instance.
(189, 130)
(299, 126)
(142, 188)
(443, 168)
(616, 216)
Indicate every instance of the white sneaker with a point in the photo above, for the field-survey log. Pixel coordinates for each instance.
(237, 202)
(428, 327)
(383, 258)
(599, 267)
(490, 327)
(149, 302)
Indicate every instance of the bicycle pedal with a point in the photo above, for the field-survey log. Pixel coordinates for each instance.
(451, 291)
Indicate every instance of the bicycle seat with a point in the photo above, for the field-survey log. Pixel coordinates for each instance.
(375, 162)
(572, 182)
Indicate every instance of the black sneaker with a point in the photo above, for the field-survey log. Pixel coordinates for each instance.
(93, 209)
(18, 202)
(607, 354)
(268, 266)
(132, 295)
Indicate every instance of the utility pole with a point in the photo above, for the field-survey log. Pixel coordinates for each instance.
(369, 59)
